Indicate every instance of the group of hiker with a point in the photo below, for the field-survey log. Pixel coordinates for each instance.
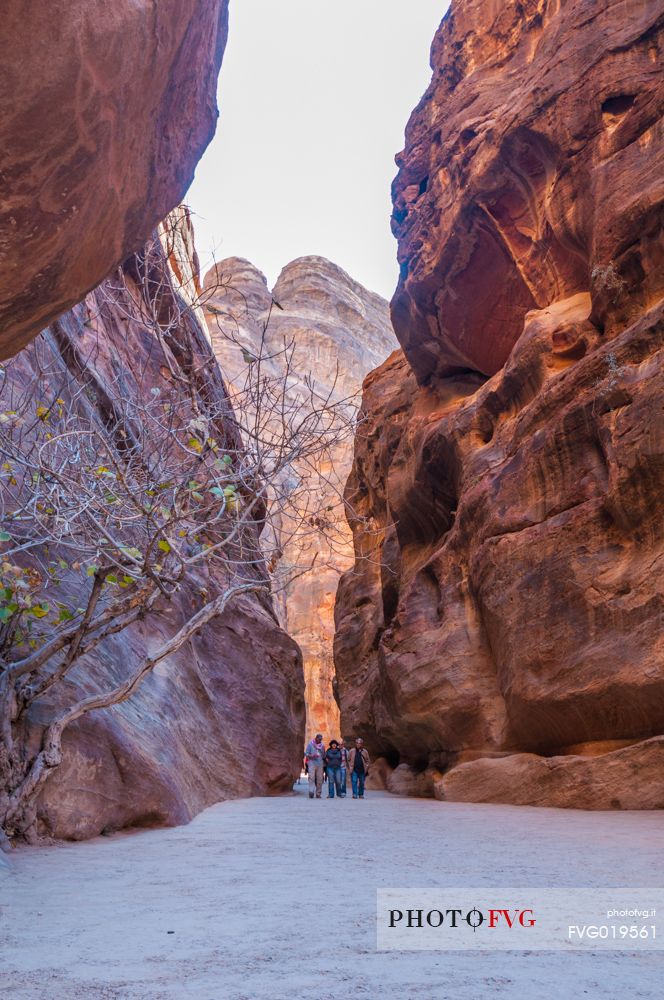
(334, 764)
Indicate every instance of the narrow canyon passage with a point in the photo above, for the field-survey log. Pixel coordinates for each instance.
(240, 508)
(275, 898)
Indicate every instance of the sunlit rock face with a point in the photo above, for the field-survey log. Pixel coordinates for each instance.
(532, 171)
(339, 331)
(503, 619)
(105, 109)
(204, 725)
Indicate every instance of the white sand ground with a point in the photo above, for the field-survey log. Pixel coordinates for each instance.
(274, 899)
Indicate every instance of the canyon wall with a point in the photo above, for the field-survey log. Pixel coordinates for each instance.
(499, 637)
(339, 331)
(202, 727)
(105, 109)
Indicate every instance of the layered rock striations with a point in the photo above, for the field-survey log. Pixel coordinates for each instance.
(338, 331)
(500, 635)
(105, 110)
(202, 726)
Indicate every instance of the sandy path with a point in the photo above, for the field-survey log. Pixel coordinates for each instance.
(242, 885)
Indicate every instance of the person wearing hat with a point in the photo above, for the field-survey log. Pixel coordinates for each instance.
(333, 768)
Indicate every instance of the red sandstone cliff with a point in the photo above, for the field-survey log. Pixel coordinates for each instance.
(500, 636)
(105, 109)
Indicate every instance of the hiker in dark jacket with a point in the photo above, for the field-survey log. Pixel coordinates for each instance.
(358, 764)
(333, 759)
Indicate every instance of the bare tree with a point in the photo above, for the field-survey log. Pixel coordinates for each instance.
(114, 496)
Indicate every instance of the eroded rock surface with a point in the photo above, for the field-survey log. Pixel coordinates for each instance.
(532, 171)
(508, 590)
(203, 725)
(339, 331)
(105, 109)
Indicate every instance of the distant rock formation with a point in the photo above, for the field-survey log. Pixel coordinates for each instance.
(339, 331)
(105, 109)
(500, 635)
(203, 725)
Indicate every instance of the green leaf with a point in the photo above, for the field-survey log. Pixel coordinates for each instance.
(39, 610)
(65, 615)
(91, 570)
(197, 496)
(131, 550)
(5, 536)
(6, 593)
(112, 578)
(227, 460)
(5, 614)
(217, 491)
(164, 545)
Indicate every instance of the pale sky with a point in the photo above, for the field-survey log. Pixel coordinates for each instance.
(314, 96)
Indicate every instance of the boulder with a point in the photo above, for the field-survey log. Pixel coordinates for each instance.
(628, 778)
